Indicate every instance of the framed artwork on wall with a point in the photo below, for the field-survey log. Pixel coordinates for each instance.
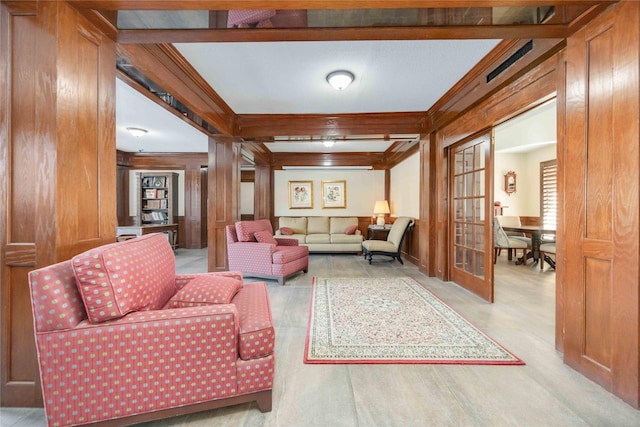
(334, 194)
(300, 194)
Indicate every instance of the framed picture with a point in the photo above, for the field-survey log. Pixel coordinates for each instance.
(334, 194)
(300, 194)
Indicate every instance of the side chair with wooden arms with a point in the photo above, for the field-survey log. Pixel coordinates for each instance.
(393, 245)
(502, 241)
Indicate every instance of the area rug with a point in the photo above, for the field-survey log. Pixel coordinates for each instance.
(392, 320)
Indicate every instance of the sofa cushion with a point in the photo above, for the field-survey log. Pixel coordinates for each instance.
(339, 224)
(265, 237)
(318, 225)
(286, 231)
(115, 279)
(346, 238)
(205, 290)
(351, 229)
(298, 225)
(318, 238)
(246, 229)
(285, 254)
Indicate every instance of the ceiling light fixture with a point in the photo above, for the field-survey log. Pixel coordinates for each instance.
(328, 143)
(137, 132)
(339, 80)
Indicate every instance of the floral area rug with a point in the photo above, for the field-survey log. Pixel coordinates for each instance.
(392, 320)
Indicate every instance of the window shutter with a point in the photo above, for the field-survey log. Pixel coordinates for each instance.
(549, 193)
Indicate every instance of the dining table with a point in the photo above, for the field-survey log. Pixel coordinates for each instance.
(536, 232)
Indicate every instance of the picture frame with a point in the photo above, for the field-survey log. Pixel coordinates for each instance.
(334, 194)
(300, 194)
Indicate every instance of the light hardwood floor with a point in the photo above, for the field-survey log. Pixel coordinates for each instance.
(544, 392)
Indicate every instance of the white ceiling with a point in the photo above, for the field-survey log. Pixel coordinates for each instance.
(290, 78)
(166, 132)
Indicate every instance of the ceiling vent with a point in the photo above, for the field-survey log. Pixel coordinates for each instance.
(528, 47)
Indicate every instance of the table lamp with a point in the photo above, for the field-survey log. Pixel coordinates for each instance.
(381, 209)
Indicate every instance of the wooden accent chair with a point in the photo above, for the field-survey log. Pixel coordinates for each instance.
(392, 247)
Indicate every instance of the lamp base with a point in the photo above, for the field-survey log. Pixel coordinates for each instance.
(380, 220)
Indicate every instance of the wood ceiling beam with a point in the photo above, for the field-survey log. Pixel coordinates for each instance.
(338, 34)
(310, 4)
(252, 126)
(164, 65)
(376, 160)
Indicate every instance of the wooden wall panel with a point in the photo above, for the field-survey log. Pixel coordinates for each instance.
(58, 163)
(601, 183)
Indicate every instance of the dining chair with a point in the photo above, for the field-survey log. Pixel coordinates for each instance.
(503, 241)
(547, 248)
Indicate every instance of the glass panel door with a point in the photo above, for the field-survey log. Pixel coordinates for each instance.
(469, 217)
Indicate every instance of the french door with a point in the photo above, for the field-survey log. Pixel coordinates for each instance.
(469, 215)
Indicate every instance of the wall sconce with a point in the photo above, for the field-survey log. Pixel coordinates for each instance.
(381, 209)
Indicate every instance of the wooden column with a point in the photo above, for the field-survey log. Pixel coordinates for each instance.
(194, 205)
(263, 206)
(224, 196)
(57, 163)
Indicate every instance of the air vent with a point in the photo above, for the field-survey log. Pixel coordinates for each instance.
(528, 47)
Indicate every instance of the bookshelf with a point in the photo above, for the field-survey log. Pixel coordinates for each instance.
(158, 198)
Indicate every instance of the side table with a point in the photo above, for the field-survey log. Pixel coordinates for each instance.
(378, 232)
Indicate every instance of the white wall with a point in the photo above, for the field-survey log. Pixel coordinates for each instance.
(133, 190)
(363, 188)
(526, 200)
(405, 188)
(246, 198)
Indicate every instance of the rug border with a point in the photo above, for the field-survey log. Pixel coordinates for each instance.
(517, 362)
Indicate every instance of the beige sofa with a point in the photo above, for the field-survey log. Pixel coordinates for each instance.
(323, 233)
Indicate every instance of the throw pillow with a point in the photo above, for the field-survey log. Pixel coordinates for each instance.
(265, 237)
(116, 279)
(206, 290)
(286, 231)
(351, 229)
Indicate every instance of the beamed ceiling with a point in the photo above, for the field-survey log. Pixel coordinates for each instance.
(263, 80)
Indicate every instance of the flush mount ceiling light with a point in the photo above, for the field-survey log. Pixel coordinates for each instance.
(137, 132)
(340, 79)
(328, 143)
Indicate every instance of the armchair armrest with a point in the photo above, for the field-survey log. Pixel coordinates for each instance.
(251, 256)
(287, 241)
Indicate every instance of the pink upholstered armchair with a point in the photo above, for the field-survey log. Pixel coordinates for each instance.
(252, 249)
(121, 338)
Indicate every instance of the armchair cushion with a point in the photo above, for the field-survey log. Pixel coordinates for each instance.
(265, 237)
(205, 290)
(111, 277)
(246, 230)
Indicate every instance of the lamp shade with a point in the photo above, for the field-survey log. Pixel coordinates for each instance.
(381, 208)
